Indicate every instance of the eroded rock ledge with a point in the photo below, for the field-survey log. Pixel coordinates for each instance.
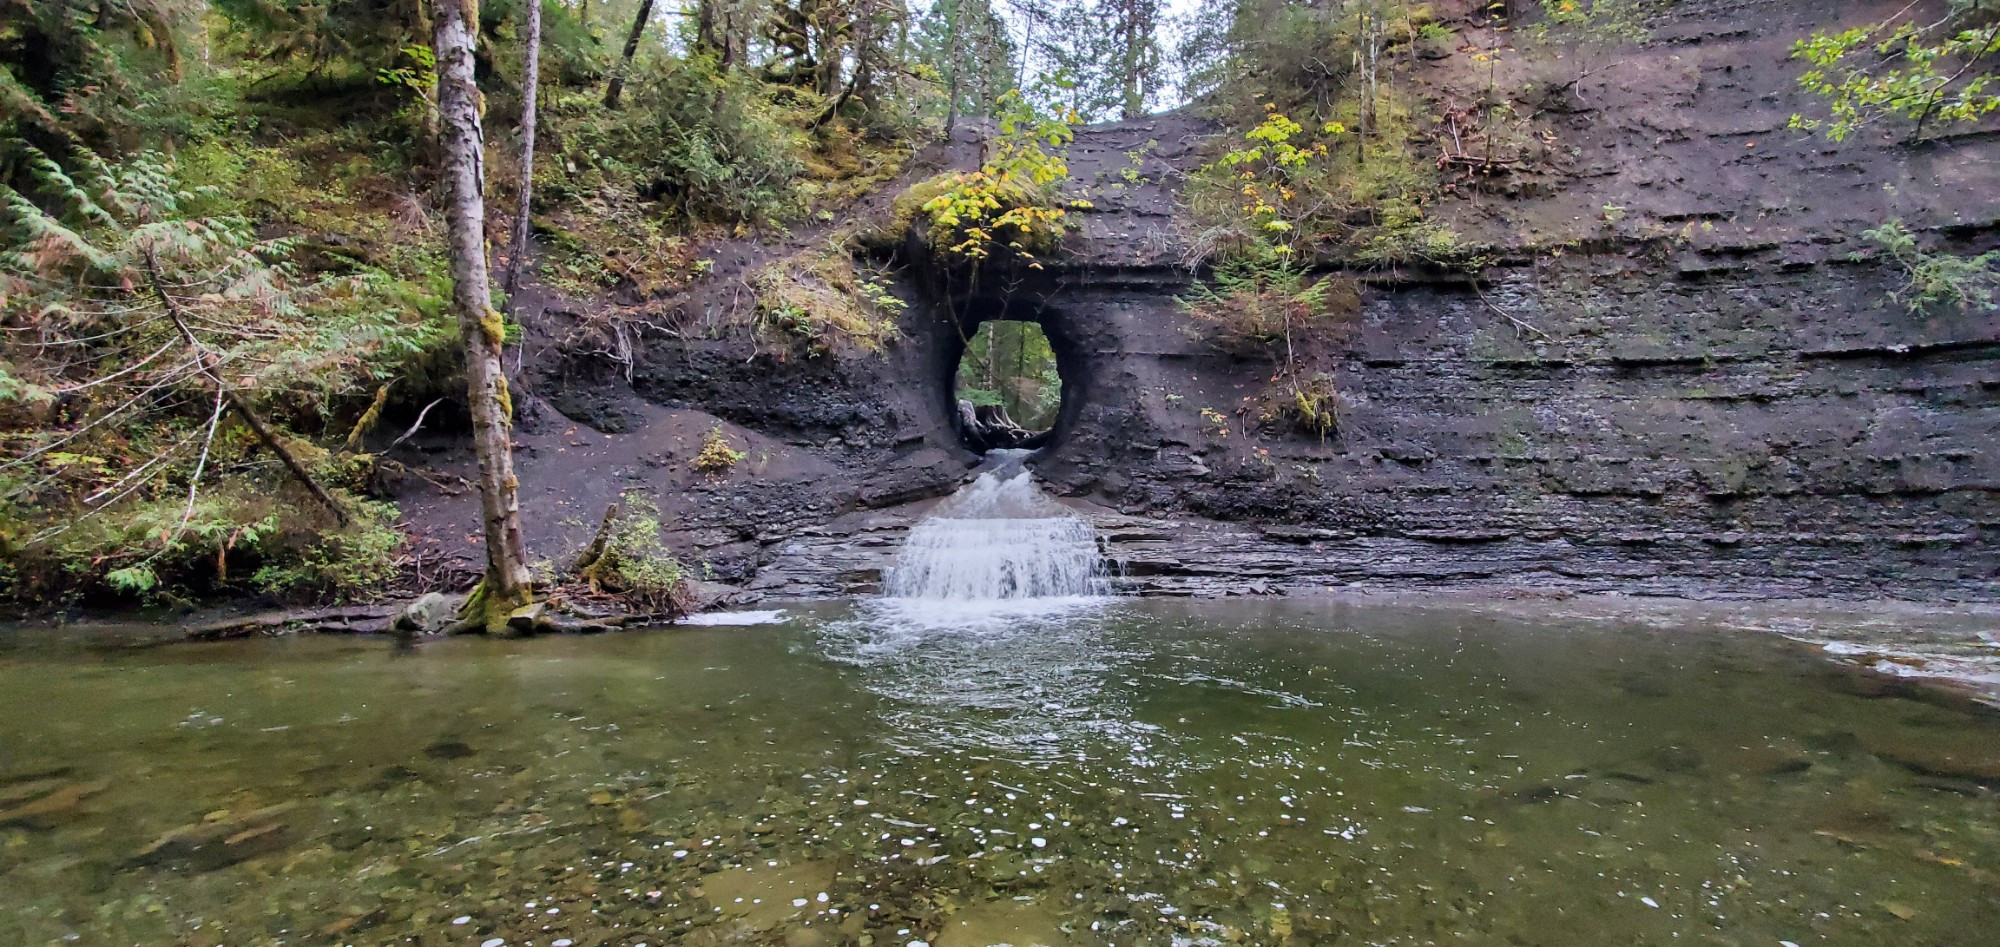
(1710, 396)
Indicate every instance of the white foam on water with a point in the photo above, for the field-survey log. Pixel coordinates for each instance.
(774, 617)
(996, 572)
(999, 539)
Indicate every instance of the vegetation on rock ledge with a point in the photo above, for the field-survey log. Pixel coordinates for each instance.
(229, 279)
(1012, 204)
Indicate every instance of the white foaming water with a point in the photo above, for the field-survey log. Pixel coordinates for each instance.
(728, 619)
(999, 539)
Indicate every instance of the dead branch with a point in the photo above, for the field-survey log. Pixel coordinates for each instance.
(194, 481)
(263, 431)
(421, 415)
(1520, 325)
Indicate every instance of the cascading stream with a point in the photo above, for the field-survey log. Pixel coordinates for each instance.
(998, 538)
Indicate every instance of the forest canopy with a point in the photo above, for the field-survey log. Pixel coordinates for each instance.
(225, 266)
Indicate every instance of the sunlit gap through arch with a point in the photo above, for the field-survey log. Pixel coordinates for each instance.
(1007, 388)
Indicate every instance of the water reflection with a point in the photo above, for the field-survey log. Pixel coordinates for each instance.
(1086, 772)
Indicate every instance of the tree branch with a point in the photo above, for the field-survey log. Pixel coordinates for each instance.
(207, 363)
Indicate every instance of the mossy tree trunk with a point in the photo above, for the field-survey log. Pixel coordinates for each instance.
(862, 75)
(506, 585)
(1135, 55)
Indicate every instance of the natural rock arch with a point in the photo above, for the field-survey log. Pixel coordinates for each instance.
(953, 330)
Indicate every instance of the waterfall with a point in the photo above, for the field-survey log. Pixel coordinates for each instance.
(999, 537)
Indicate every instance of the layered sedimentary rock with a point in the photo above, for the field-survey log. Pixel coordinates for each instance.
(1678, 371)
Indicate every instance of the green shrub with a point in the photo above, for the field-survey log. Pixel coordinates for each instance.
(1933, 279)
(635, 561)
(1313, 406)
(709, 144)
(245, 534)
(1329, 150)
(1297, 321)
(371, 292)
(716, 456)
(1293, 188)
(1249, 308)
(1012, 204)
(1597, 21)
(139, 480)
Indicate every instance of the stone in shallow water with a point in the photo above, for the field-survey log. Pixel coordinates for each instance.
(448, 750)
(1781, 757)
(762, 896)
(206, 846)
(430, 614)
(26, 789)
(392, 777)
(1677, 759)
(49, 800)
(1944, 755)
(1016, 923)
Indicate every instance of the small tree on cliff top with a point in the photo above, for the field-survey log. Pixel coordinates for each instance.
(1013, 202)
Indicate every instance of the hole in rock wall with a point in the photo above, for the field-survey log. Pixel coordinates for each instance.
(1008, 389)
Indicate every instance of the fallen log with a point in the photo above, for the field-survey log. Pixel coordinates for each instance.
(350, 619)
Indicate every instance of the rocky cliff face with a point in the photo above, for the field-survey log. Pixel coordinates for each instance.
(1705, 392)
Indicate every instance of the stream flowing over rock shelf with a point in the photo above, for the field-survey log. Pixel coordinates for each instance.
(1537, 488)
(1712, 395)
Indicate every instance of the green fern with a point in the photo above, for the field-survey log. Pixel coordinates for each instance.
(1934, 279)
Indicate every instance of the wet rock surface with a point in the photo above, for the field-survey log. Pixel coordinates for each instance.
(1711, 396)
(430, 614)
(1887, 641)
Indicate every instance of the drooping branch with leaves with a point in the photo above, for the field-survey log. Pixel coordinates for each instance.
(1937, 71)
(1012, 204)
(1936, 280)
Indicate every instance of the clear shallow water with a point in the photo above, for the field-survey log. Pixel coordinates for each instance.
(1072, 773)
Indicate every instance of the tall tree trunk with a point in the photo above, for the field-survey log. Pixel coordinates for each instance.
(506, 585)
(902, 57)
(583, 19)
(953, 56)
(826, 43)
(517, 249)
(1027, 49)
(864, 29)
(1132, 100)
(616, 89)
(705, 40)
(716, 33)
